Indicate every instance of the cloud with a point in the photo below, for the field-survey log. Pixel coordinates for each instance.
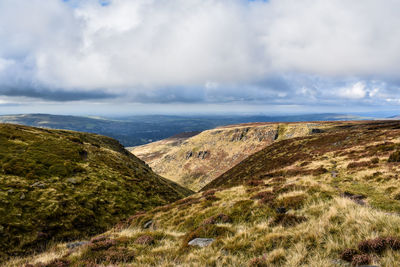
(55, 95)
(167, 51)
(356, 91)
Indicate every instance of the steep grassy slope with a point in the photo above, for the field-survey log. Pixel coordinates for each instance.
(330, 199)
(198, 160)
(65, 185)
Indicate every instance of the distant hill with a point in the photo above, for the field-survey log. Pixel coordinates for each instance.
(139, 130)
(331, 198)
(63, 185)
(194, 162)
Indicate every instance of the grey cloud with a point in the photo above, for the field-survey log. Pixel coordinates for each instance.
(55, 95)
(215, 51)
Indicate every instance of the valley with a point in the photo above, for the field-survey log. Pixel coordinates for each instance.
(195, 161)
(314, 194)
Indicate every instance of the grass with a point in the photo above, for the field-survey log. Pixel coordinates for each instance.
(63, 185)
(323, 223)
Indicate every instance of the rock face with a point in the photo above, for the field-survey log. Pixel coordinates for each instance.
(201, 242)
(194, 162)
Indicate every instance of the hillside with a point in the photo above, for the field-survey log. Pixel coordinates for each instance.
(194, 162)
(64, 185)
(142, 129)
(329, 199)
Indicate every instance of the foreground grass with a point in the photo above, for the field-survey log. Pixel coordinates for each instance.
(252, 233)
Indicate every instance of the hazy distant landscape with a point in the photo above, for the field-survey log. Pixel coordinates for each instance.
(139, 130)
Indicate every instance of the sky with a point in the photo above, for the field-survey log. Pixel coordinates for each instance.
(199, 56)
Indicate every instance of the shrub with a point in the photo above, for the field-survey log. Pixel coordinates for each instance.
(220, 218)
(209, 192)
(263, 194)
(258, 262)
(361, 164)
(53, 263)
(101, 245)
(211, 198)
(187, 201)
(376, 245)
(361, 259)
(348, 254)
(112, 255)
(393, 242)
(269, 200)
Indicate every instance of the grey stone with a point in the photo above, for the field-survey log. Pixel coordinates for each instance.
(72, 180)
(38, 184)
(201, 242)
(76, 244)
(148, 224)
(340, 262)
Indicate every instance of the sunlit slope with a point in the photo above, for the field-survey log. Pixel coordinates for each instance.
(198, 160)
(64, 185)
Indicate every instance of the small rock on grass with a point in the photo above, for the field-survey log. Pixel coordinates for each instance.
(201, 242)
(76, 244)
(148, 224)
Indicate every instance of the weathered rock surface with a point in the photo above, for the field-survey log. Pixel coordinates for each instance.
(201, 242)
